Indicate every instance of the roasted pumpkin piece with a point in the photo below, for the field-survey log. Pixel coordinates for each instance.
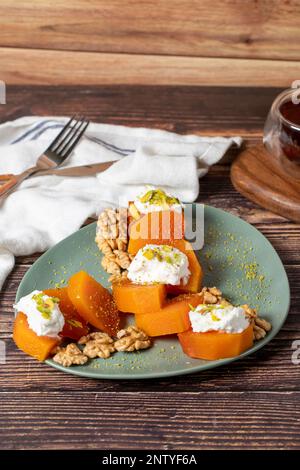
(75, 326)
(29, 342)
(172, 318)
(138, 298)
(214, 345)
(94, 303)
(163, 225)
(195, 280)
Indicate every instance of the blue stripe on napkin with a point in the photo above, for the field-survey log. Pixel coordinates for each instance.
(38, 129)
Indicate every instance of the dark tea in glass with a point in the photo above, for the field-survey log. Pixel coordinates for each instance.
(282, 130)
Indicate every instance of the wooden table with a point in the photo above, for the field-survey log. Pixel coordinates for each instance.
(253, 403)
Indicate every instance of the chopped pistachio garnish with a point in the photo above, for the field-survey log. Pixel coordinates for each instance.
(192, 308)
(210, 308)
(158, 197)
(147, 196)
(149, 254)
(45, 305)
(214, 317)
(75, 323)
(158, 253)
(176, 257)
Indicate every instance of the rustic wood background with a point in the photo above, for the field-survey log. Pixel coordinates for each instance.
(253, 403)
(150, 42)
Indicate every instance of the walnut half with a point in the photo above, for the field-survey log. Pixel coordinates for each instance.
(260, 325)
(132, 339)
(213, 295)
(70, 355)
(97, 345)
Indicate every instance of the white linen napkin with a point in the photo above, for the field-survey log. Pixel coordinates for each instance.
(46, 209)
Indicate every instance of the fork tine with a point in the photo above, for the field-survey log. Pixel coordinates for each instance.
(73, 129)
(67, 149)
(57, 138)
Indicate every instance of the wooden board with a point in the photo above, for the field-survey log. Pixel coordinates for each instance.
(261, 177)
(261, 29)
(253, 403)
(41, 67)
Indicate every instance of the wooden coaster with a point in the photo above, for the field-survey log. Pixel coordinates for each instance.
(260, 177)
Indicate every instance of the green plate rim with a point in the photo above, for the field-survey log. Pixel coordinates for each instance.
(152, 375)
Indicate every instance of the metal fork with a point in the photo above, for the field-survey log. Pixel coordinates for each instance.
(61, 147)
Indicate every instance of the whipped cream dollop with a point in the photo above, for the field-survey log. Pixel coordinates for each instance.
(218, 318)
(154, 199)
(43, 313)
(163, 264)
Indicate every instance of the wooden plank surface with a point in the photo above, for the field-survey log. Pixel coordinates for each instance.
(183, 109)
(261, 29)
(253, 403)
(49, 67)
(147, 420)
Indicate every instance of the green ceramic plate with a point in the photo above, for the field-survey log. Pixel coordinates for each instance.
(236, 258)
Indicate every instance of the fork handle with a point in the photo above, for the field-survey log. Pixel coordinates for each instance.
(12, 181)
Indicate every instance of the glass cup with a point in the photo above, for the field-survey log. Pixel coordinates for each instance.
(282, 131)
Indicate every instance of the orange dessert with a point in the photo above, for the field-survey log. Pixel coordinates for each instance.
(170, 319)
(75, 326)
(29, 342)
(93, 302)
(138, 298)
(217, 332)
